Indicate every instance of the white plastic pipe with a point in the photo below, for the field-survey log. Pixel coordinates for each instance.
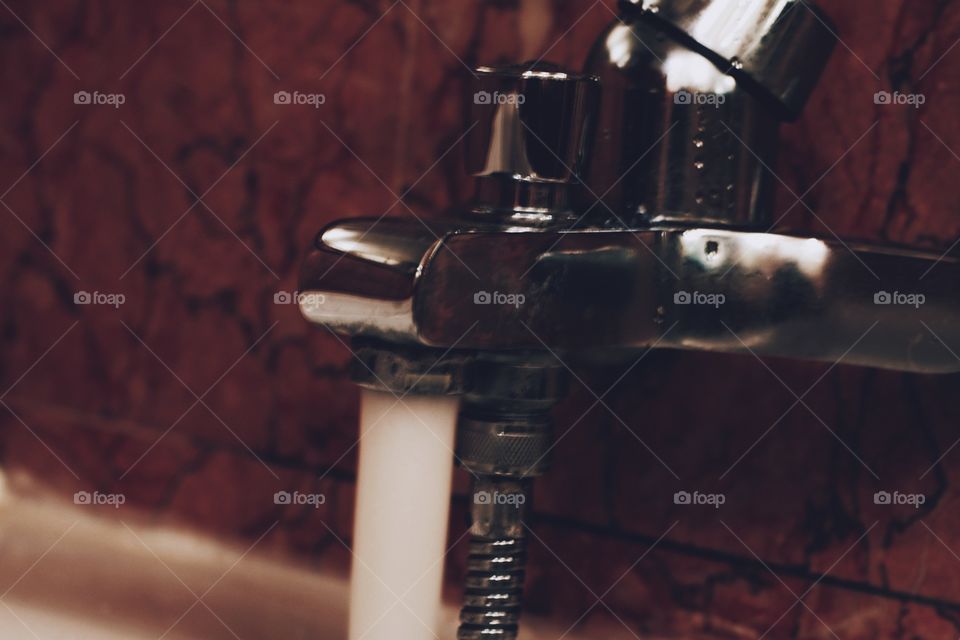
(403, 507)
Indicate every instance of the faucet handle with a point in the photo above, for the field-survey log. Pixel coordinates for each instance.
(531, 123)
(777, 47)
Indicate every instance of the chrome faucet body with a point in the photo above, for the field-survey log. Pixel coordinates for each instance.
(617, 209)
(609, 195)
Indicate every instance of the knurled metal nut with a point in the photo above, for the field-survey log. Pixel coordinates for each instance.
(503, 447)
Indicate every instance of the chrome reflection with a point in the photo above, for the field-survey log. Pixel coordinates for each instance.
(686, 70)
(764, 253)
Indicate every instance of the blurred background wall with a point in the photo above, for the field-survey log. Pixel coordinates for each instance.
(200, 395)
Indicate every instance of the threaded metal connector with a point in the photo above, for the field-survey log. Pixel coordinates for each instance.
(494, 589)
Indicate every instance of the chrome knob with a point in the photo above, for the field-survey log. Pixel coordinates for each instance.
(530, 136)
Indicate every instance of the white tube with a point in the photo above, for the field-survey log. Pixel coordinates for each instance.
(403, 506)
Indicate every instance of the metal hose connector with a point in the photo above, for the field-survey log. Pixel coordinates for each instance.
(504, 438)
(495, 566)
(494, 589)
